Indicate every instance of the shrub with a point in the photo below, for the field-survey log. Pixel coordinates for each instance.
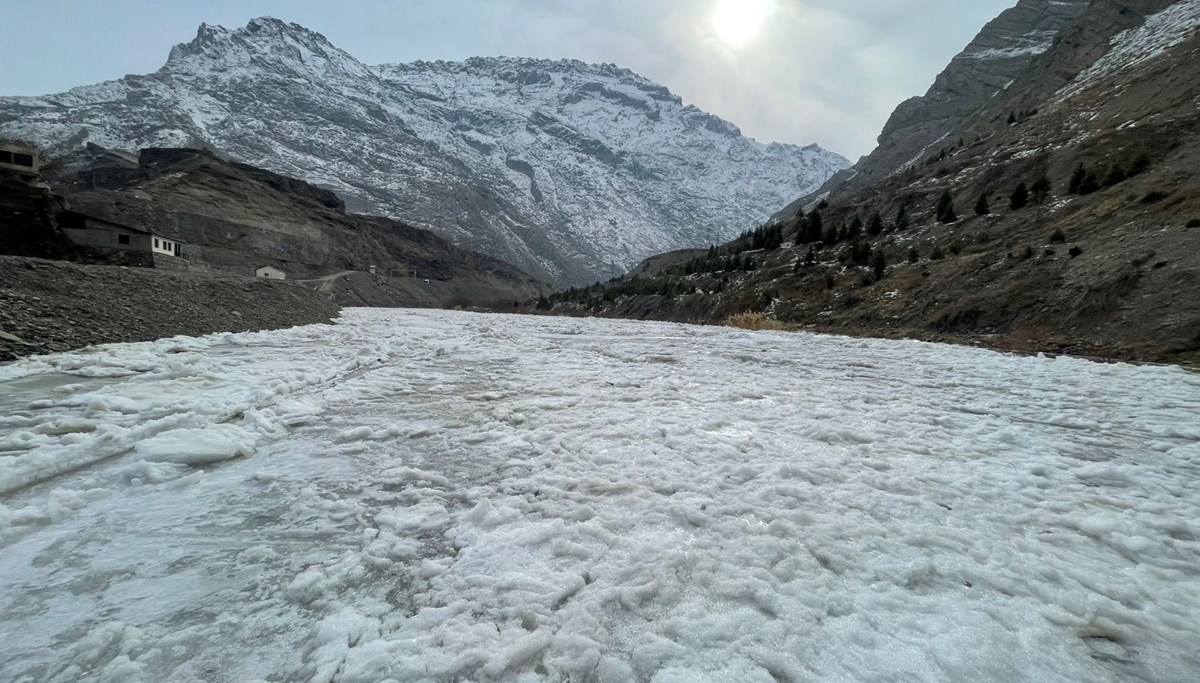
(936, 254)
(1058, 237)
(754, 321)
(1194, 223)
(1075, 252)
(956, 248)
(1027, 253)
(1154, 196)
(914, 256)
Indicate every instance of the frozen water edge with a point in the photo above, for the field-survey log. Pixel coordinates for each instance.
(446, 496)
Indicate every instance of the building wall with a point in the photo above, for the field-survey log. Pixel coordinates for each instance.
(20, 158)
(161, 245)
(270, 273)
(110, 237)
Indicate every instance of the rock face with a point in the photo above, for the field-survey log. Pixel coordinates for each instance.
(565, 169)
(1000, 53)
(1061, 214)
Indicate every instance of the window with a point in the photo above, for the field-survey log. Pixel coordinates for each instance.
(23, 160)
(156, 243)
(122, 239)
(5, 157)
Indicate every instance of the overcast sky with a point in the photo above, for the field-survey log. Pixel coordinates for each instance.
(824, 71)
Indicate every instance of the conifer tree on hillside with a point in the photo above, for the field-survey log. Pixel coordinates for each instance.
(1019, 198)
(879, 263)
(945, 208)
(854, 229)
(1077, 179)
(801, 230)
(875, 225)
(816, 228)
(902, 221)
(981, 206)
(1041, 190)
(830, 236)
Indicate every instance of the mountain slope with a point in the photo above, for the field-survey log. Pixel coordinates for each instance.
(1075, 195)
(565, 169)
(1001, 51)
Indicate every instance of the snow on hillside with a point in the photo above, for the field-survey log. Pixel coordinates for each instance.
(560, 167)
(1159, 33)
(443, 496)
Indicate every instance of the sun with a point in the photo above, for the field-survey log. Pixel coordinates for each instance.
(738, 22)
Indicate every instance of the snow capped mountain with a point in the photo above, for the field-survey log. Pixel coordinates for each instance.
(566, 169)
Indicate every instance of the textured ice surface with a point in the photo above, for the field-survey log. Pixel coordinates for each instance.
(432, 496)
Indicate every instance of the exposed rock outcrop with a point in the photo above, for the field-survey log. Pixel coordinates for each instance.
(1001, 52)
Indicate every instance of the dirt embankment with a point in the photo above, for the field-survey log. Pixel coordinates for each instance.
(48, 306)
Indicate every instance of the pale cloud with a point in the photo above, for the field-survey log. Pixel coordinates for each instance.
(825, 71)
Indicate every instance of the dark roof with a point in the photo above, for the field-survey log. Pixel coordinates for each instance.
(80, 217)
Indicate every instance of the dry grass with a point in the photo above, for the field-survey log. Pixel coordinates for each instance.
(756, 322)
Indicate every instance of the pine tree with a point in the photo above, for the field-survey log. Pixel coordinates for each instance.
(816, 227)
(945, 208)
(1019, 198)
(875, 225)
(1041, 190)
(830, 236)
(902, 221)
(981, 206)
(1077, 178)
(879, 263)
(854, 230)
(801, 232)
(914, 256)
(1089, 184)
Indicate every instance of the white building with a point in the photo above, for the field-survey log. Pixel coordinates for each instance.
(270, 273)
(166, 246)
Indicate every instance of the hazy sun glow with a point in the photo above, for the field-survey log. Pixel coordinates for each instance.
(738, 22)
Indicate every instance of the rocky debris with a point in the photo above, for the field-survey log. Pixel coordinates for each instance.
(560, 168)
(51, 306)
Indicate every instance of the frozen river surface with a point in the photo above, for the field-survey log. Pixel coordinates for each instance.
(435, 496)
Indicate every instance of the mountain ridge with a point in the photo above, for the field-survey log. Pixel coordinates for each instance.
(565, 169)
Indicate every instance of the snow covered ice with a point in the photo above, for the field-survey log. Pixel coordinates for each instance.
(436, 496)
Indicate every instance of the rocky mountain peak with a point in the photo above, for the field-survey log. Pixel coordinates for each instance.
(265, 43)
(571, 171)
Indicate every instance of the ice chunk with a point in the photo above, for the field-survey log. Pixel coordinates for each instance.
(198, 446)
